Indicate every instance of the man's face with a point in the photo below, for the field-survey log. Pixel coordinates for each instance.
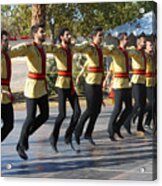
(98, 38)
(149, 46)
(125, 40)
(142, 42)
(40, 34)
(66, 37)
(4, 42)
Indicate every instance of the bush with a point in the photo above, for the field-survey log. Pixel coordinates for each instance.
(51, 71)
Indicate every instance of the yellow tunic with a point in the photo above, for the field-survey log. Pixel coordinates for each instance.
(119, 65)
(150, 71)
(138, 63)
(4, 98)
(92, 62)
(34, 88)
(62, 65)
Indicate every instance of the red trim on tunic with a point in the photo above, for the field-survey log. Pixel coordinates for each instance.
(6, 81)
(68, 72)
(126, 59)
(40, 76)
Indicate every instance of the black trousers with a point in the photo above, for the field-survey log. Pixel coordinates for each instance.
(7, 116)
(155, 93)
(33, 122)
(63, 95)
(93, 95)
(122, 96)
(139, 94)
(150, 106)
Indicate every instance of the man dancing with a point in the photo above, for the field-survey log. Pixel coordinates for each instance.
(35, 87)
(7, 114)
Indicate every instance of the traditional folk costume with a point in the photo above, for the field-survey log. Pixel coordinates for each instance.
(7, 114)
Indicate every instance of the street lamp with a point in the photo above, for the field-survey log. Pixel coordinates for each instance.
(52, 27)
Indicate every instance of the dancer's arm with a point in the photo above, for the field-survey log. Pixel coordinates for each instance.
(20, 50)
(84, 68)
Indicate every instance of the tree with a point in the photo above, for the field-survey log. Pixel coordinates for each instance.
(38, 14)
(79, 17)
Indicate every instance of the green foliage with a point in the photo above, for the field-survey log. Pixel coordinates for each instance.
(51, 71)
(78, 62)
(79, 17)
(16, 19)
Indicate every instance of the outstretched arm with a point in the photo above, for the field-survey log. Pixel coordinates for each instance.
(108, 50)
(132, 52)
(83, 48)
(51, 48)
(20, 50)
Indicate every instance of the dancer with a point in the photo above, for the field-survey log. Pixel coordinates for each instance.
(121, 85)
(63, 55)
(150, 85)
(35, 87)
(7, 113)
(93, 86)
(138, 81)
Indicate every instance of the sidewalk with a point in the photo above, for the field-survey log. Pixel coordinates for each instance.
(130, 158)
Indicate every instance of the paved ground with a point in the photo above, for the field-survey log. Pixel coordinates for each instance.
(131, 158)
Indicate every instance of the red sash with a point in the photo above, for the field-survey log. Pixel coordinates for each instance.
(95, 69)
(121, 75)
(150, 74)
(65, 73)
(139, 72)
(36, 76)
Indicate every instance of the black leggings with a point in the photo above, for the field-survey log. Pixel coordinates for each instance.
(150, 106)
(7, 117)
(33, 122)
(63, 95)
(121, 96)
(139, 94)
(94, 101)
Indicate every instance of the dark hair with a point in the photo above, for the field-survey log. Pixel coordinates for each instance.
(61, 32)
(4, 32)
(141, 35)
(95, 30)
(121, 36)
(35, 28)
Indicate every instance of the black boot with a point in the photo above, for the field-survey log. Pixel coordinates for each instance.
(128, 129)
(90, 139)
(53, 143)
(21, 152)
(111, 136)
(119, 134)
(77, 138)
